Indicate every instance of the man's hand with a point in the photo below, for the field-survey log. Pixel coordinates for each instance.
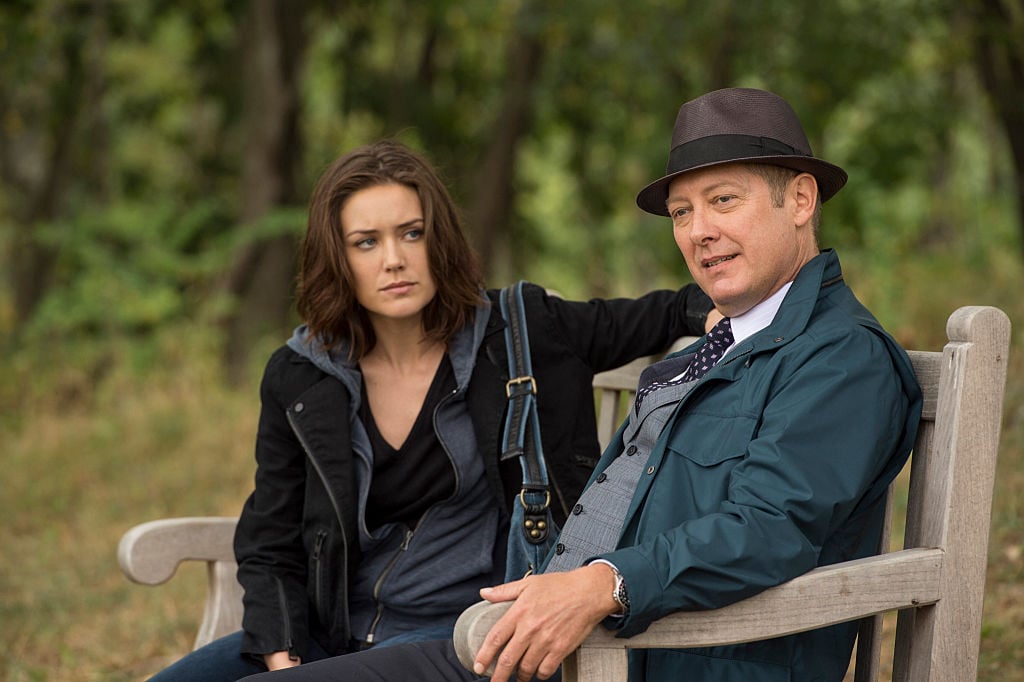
(552, 615)
(280, 660)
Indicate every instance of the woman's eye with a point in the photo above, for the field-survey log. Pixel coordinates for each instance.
(413, 235)
(367, 243)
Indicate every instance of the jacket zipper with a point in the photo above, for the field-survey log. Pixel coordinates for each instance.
(289, 645)
(318, 547)
(377, 586)
(370, 635)
(337, 512)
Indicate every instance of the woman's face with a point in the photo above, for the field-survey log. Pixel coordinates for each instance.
(386, 249)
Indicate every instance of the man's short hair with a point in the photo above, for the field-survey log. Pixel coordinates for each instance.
(777, 179)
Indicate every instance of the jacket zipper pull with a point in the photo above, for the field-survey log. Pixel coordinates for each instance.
(318, 545)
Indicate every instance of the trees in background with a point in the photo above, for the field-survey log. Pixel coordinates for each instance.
(156, 157)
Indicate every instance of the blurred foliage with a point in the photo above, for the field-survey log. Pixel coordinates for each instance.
(123, 145)
(123, 136)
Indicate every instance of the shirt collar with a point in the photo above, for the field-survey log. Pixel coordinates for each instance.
(758, 317)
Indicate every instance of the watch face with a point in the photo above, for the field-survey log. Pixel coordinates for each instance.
(621, 596)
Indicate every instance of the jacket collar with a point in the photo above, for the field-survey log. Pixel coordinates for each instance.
(462, 353)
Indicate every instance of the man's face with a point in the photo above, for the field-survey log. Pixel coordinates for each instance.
(740, 248)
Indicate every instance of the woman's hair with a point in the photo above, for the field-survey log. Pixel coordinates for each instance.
(326, 297)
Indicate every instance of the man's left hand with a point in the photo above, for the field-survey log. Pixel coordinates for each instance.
(552, 615)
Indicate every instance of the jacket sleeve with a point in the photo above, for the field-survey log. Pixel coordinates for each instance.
(268, 540)
(607, 333)
(751, 493)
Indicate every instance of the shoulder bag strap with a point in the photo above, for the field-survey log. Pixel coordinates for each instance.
(522, 428)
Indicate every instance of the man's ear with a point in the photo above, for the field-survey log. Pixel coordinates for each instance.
(803, 191)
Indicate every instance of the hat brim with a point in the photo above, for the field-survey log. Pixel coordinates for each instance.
(830, 178)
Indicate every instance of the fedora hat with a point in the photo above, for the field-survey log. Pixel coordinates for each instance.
(738, 124)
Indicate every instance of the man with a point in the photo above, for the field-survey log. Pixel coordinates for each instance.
(750, 458)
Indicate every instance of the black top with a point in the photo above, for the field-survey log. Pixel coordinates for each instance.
(407, 481)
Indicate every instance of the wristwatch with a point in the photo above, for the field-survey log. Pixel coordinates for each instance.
(619, 594)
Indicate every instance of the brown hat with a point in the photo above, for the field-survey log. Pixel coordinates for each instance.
(739, 124)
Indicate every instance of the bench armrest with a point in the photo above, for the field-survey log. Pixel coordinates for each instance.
(821, 597)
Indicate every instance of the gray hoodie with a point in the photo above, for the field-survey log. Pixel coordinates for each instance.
(425, 576)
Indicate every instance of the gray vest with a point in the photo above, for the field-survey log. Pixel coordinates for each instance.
(595, 523)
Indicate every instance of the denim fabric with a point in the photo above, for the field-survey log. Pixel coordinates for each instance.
(220, 660)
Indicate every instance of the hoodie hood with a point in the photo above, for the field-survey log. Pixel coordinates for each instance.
(335, 362)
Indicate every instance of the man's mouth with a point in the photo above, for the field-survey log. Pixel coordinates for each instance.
(712, 263)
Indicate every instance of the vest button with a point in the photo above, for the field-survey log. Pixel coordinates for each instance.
(650, 470)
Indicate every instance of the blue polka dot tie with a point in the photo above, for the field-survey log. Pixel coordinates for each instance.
(718, 339)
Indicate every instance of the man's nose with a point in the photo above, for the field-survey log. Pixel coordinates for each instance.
(702, 227)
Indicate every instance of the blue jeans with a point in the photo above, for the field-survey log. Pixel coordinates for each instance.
(220, 660)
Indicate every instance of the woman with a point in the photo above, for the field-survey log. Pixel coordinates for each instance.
(380, 505)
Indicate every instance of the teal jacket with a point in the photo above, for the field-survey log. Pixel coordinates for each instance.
(775, 463)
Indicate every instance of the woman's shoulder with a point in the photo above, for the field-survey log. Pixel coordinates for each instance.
(289, 372)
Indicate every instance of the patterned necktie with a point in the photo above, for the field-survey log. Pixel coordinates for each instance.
(718, 339)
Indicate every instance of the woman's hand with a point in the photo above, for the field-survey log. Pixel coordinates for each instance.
(280, 660)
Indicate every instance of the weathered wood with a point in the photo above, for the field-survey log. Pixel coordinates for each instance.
(953, 497)
(150, 553)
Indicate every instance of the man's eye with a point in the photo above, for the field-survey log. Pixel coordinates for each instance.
(679, 212)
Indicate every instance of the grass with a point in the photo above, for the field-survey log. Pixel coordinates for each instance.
(76, 477)
(86, 454)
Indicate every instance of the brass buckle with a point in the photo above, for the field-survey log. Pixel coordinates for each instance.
(547, 498)
(520, 380)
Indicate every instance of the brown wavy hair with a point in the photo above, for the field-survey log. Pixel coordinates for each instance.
(326, 291)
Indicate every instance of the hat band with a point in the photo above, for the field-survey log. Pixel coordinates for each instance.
(721, 148)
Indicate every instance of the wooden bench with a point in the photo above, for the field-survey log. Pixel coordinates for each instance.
(150, 553)
(936, 582)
